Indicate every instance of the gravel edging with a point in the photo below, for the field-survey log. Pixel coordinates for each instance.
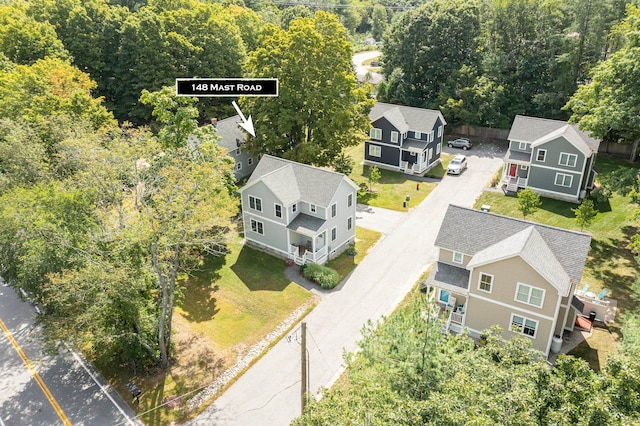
(244, 361)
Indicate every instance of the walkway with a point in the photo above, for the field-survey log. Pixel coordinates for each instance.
(269, 392)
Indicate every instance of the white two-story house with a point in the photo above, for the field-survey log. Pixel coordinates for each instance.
(297, 211)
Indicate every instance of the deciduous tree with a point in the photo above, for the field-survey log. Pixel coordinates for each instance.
(528, 202)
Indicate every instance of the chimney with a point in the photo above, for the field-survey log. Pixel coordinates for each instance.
(214, 122)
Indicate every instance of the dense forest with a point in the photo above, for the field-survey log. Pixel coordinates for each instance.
(106, 203)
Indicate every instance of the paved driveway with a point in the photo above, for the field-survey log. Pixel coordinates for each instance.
(269, 392)
(378, 219)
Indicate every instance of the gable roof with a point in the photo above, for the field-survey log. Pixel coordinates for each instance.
(570, 134)
(407, 118)
(531, 247)
(292, 182)
(531, 129)
(231, 136)
(475, 232)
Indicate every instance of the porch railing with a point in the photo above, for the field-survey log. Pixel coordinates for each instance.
(308, 256)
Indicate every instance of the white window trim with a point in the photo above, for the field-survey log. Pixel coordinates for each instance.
(430, 156)
(417, 135)
(523, 167)
(531, 288)
(375, 151)
(275, 210)
(375, 133)
(438, 148)
(334, 205)
(544, 155)
(522, 146)
(564, 175)
(440, 131)
(455, 253)
(238, 151)
(312, 208)
(349, 223)
(349, 200)
(570, 157)
(524, 321)
(253, 222)
(480, 274)
(334, 229)
(430, 138)
(294, 208)
(250, 161)
(255, 205)
(394, 136)
(239, 165)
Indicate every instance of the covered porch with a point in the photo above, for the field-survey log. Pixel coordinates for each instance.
(515, 172)
(307, 240)
(414, 158)
(451, 290)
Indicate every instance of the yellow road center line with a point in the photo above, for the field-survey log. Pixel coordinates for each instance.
(36, 376)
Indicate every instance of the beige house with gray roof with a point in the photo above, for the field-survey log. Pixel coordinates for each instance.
(297, 211)
(497, 270)
(552, 157)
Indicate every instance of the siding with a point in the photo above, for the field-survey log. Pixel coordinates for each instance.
(554, 148)
(446, 256)
(387, 127)
(389, 155)
(544, 178)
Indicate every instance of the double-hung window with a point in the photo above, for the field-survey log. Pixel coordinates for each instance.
(563, 180)
(255, 203)
(349, 200)
(542, 155)
(394, 137)
(417, 135)
(568, 160)
(530, 295)
(457, 257)
(375, 151)
(522, 325)
(278, 210)
(257, 227)
(334, 209)
(485, 283)
(375, 134)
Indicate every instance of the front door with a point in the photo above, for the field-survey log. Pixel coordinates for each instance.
(513, 170)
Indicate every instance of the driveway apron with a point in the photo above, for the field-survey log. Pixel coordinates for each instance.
(269, 392)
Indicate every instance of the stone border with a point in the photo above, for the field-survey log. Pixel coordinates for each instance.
(243, 362)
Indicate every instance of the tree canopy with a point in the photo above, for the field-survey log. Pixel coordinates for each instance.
(319, 109)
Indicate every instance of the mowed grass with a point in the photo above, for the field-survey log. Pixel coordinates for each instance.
(391, 190)
(344, 264)
(228, 306)
(610, 263)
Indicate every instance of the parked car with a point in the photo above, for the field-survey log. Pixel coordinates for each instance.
(460, 143)
(457, 165)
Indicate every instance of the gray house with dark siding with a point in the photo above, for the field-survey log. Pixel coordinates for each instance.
(297, 211)
(403, 138)
(232, 137)
(553, 158)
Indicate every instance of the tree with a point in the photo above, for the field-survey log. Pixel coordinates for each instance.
(374, 177)
(585, 213)
(378, 21)
(608, 106)
(426, 46)
(24, 40)
(50, 88)
(320, 109)
(528, 202)
(343, 164)
(291, 13)
(186, 204)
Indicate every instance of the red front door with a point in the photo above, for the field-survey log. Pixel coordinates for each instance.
(512, 169)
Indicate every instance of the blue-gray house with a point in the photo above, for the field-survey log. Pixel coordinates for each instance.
(552, 157)
(232, 137)
(403, 138)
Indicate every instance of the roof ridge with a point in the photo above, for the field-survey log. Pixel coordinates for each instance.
(541, 119)
(295, 163)
(534, 224)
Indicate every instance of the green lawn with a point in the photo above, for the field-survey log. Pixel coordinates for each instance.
(610, 263)
(227, 307)
(344, 264)
(392, 189)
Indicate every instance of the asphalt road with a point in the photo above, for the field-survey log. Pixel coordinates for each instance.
(269, 392)
(40, 389)
(362, 70)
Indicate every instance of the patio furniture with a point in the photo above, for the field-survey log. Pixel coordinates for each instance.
(583, 290)
(602, 294)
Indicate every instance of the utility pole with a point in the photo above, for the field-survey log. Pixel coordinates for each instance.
(303, 362)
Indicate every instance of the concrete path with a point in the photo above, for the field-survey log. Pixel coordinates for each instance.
(378, 219)
(362, 70)
(269, 392)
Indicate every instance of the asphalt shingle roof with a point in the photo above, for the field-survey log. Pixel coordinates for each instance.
(305, 224)
(231, 136)
(530, 129)
(416, 119)
(443, 273)
(292, 182)
(524, 157)
(471, 231)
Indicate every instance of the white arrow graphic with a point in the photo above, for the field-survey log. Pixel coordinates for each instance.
(246, 124)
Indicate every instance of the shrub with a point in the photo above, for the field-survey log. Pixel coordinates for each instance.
(351, 251)
(326, 277)
(601, 195)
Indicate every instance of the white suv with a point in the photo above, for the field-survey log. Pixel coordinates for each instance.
(457, 165)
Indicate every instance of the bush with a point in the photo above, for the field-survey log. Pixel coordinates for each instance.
(351, 251)
(326, 277)
(601, 195)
